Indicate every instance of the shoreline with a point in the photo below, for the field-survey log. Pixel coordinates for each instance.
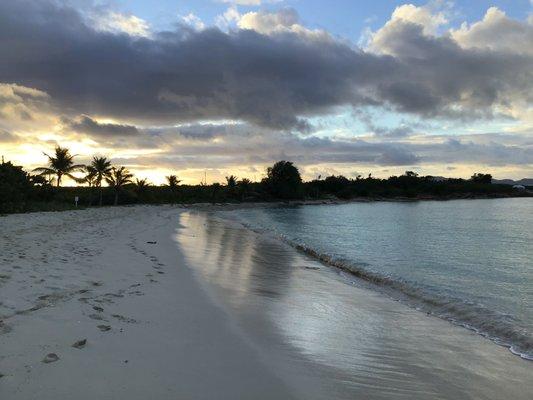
(452, 310)
(166, 301)
(336, 321)
(287, 203)
(294, 203)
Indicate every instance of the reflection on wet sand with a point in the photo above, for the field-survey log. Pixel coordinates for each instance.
(347, 338)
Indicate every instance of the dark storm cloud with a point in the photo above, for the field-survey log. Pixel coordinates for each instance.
(270, 80)
(442, 78)
(212, 131)
(89, 126)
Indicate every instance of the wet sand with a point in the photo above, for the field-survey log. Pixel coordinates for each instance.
(355, 341)
(177, 304)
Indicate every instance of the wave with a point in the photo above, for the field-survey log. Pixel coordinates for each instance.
(501, 328)
(491, 324)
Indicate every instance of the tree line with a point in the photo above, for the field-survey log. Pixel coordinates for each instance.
(41, 188)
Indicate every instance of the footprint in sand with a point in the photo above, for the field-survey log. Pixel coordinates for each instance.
(104, 328)
(113, 295)
(124, 319)
(80, 344)
(50, 358)
(96, 317)
(4, 328)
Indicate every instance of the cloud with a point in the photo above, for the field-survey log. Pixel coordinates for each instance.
(283, 21)
(228, 19)
(397, 156)
(202, 97)
(396, 132)
(23, 107)
(443, 78)
(496, 32)
(230, 145)
(114, 22)
(274, 75)
(268, 22)
(423, 16)
(193, 21)
(7, 137)
(89, 126)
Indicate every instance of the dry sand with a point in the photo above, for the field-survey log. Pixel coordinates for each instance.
(114, 278)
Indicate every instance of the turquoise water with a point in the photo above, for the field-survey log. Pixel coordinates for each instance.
(468, 261)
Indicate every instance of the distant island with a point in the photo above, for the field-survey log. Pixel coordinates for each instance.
(100, 183)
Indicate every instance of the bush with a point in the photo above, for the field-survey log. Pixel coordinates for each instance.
(283, 181)
(15, 188)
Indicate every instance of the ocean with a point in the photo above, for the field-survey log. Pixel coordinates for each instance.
(466, 261)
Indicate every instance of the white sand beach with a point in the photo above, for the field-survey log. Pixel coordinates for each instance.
(166, 301)
(70, 276)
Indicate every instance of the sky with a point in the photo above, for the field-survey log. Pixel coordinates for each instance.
(220, 87)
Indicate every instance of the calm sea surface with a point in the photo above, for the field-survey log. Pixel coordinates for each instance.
(468, 261)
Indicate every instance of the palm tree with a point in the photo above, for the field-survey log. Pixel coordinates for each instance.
(231, 181)
(62, 164)
(118, 177)
(244, 187)
(231, 185)
(173, 182)
(141, 185)
(99, 170)
(90, 177)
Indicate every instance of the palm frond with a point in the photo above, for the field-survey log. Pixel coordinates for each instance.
(44, 170)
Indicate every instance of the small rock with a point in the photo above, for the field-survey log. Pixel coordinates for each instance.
(104, 328)
(151, 242)
(99, 309)
(50, 358)
(80, 344)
